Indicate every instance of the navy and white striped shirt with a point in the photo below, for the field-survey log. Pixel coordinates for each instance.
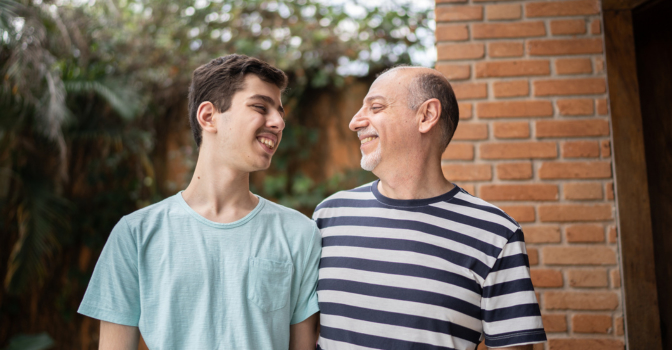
(437, 273)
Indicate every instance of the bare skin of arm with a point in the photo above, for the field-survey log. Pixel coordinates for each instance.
(118, 337)
(303, 335)
(520, 347)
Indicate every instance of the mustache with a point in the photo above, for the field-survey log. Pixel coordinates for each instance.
(368, 131)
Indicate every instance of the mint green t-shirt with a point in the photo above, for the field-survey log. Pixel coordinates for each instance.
(191, 283)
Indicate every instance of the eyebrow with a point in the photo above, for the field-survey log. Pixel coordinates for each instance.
(268, 100)
(375, 97)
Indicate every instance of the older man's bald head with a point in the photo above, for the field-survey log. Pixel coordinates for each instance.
(423, 84)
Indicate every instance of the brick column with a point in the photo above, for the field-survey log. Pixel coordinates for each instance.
(534, 139)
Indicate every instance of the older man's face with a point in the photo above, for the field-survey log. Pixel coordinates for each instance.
(385, 122)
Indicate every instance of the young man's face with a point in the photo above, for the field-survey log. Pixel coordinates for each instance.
(248, 134)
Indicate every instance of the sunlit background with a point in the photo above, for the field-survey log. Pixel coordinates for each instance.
(93, 123)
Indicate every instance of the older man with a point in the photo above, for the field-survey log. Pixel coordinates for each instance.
(412, 261)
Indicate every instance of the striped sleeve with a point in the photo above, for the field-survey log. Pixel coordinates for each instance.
(509, 307)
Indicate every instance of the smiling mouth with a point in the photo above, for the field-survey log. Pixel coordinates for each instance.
(266, 141)
(368, 139)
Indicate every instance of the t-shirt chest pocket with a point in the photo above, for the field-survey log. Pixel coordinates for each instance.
(269, 283)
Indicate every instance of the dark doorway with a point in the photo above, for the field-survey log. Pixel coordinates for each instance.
(653, 46)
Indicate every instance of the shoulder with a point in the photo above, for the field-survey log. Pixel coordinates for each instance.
(343, 198)
(483, 214)
(289, 216)
(152, 213)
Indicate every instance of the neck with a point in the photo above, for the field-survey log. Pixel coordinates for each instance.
(217, 192)
(419, 178)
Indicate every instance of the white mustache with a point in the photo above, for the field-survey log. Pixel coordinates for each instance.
(370, 131)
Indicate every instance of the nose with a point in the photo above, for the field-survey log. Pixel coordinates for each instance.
(358, 121)
(275, 121)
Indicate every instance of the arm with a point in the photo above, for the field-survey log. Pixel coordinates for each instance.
(519, 347)
(118, 337)
(303, 335)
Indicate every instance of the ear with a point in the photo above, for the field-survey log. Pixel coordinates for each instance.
(428, 114)
(206, 116)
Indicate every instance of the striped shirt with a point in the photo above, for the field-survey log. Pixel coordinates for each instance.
(437, 273)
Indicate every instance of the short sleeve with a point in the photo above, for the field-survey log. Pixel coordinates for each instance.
(306, 304)
(509, 307)
(113, 293)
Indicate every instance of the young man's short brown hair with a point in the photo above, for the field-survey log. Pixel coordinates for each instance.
(218, 80)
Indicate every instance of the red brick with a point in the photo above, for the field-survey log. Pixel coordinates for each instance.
(511, 88)
(619, 330)
(459, 51)
(595, 27)
(599, 64)
(519, 192)
(512, 68)
(454, 71)
(459, 151)
(610, 191)
(546, 278)
(465, 91)
(471, 131)
(572, 128)
(588, 278)
(449, 1)
(570, 87)
(582, 323)
(520, 213)
(597, 255)
(602, 108)
(452, 32)
(562, 8)
(500, 12)
(554, 323)
(584, 233)
(585, 344)
(512, 130)
(574, 170)
(582, 190)
(566, 66)
(573, 107)
(568, 27)
(515, 109)
(615, 278)
(532, 253)
(575, 212)
(507, 30)
(465, 110)
(555, 47)
(514, 171)
(580, 300)
(605, 146)
(613, 236)
(542, 234)
(518, 150)
(458, 13)
(505, 49)
(580, 149)
(467, 172)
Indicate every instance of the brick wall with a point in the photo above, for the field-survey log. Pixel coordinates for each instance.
(534, 139)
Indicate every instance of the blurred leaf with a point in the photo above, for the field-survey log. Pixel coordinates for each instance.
(40, 341)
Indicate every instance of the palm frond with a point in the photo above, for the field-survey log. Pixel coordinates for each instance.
(40, 214)
(7, 13)
(124, 101)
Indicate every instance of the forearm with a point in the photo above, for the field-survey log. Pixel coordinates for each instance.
(118, 337)
(303, 336)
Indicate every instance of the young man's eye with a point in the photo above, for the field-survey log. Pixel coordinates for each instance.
(260, 108)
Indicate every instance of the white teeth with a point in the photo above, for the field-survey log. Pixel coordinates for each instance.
(365, 140)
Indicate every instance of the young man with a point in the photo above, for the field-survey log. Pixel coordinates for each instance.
(214, 266)
(412, 261)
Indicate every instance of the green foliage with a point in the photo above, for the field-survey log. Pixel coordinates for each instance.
(86, 89)
(40, 341)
